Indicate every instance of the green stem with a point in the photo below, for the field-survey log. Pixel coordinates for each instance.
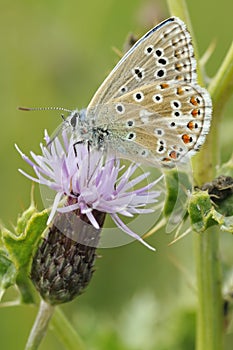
(210, 313)
(65, 332)
(40, 326)
(206, 245)
(221, 86)
(27, 291)
(220, 89)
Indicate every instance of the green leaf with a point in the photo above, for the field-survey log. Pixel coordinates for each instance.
(203, 213)
(200, 211)
(225, 223)
(177, 186)
(7, 274)
(17, 250)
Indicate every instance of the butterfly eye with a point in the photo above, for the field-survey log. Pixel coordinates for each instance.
(73, 120)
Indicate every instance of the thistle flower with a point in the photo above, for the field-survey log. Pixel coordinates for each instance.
(88, 184)
(90, 180)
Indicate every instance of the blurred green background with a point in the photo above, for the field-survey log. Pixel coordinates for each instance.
(56, 53)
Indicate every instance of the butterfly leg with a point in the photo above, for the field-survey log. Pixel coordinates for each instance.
(75, 145)
(80, 143)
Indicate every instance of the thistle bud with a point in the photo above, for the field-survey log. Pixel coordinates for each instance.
(64, 262)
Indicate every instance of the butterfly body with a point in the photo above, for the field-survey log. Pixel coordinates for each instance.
(150, 108)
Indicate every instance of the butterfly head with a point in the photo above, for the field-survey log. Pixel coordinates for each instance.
(76, 118)
(78, 123)
(84, 127)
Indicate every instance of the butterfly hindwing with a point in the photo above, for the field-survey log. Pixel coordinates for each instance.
(162, 123)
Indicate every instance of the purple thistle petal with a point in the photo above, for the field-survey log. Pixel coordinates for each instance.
(29, 176)
(68, 208)
(92, 220)
(135, 181)
(125, 228)
(92, 179)
(46, 137)
(54, 207)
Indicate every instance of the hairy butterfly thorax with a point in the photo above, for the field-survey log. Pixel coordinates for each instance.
(85, 129)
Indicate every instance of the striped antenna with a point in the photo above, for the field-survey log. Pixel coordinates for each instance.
(44, 109)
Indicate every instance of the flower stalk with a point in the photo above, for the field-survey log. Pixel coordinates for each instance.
(63, 266)
(40, 326)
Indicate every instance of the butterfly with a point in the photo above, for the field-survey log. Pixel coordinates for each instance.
(150, 108)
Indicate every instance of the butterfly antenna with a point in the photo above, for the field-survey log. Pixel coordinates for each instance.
(49, 109)
(44, 109)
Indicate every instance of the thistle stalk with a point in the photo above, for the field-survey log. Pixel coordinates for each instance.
(63, 266)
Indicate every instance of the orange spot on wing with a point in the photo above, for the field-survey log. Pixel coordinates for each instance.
(173, 154)
(164, 85)
(165, 159)
(190, 125)
(193, 101)
(186, 138)
(194, 112)
(179, 67)
(180, 91)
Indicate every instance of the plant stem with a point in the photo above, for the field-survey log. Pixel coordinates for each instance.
(220, 89)
(206, 245)
(65, 332)
(210, 313)
(221, 86)
(40, 326)
(60, 326)
(210, 317)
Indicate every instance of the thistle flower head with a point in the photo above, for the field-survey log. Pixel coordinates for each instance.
(90, 180)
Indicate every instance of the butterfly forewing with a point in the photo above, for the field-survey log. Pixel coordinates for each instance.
(165, 52)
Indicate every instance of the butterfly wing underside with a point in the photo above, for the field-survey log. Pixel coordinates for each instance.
(155, 108)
